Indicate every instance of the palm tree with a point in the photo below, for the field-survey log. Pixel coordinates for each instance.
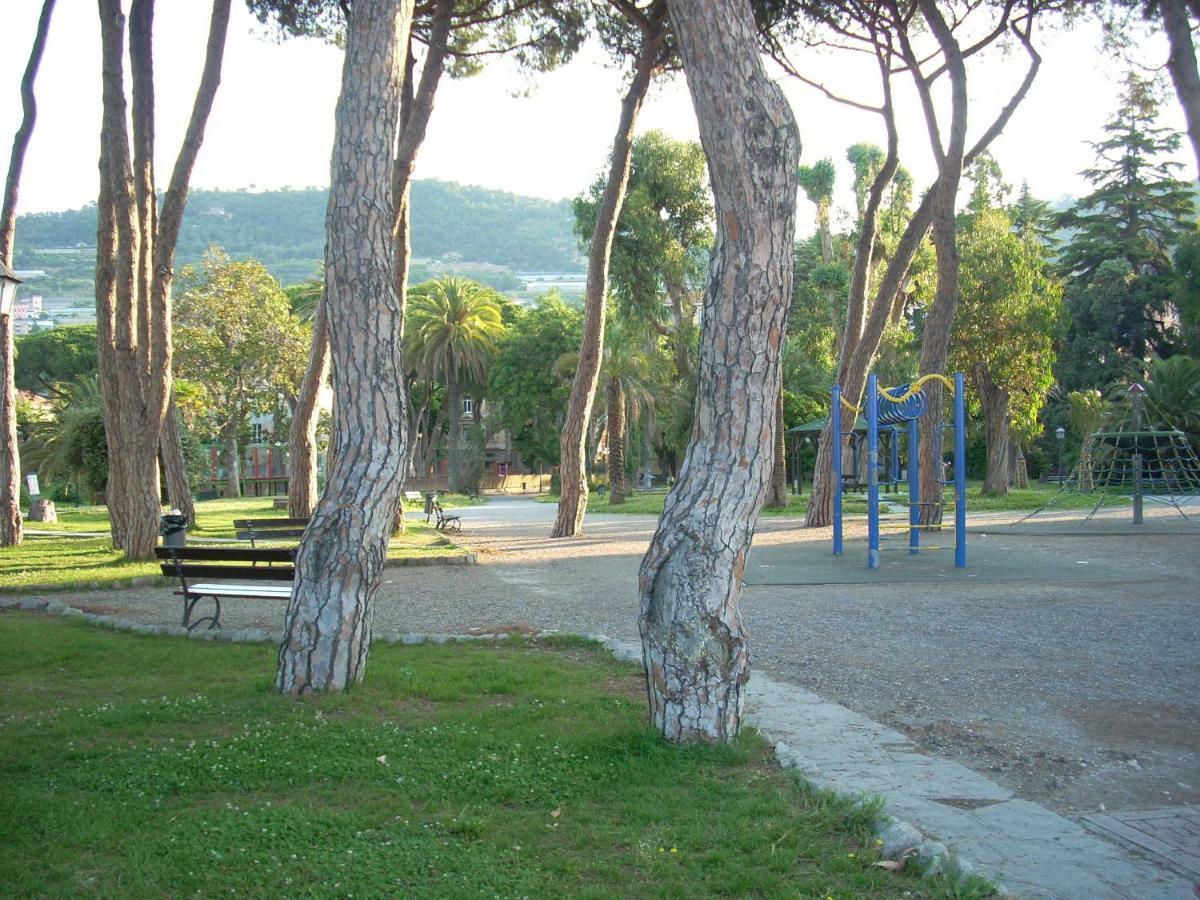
(451, 329)
(631, 369)
(1173, 394)
(70, 446)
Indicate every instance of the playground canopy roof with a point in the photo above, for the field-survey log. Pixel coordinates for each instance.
(815, 426)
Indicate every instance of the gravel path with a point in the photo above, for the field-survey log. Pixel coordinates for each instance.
(1079, 695)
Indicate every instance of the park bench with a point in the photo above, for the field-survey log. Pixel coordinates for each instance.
(206, 571)
(445, 522)
(414, 498)
(253, 530)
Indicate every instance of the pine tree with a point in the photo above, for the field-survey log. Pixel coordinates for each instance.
(1138, 207)
(1137, 211)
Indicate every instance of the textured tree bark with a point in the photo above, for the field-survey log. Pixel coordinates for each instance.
(994, 400)
(174, 466)
(618, 489)
(935, 344)
(777, 495)
(573, 445)
(327, 630)
(1182, 65)
(135, 245)
(302, 439)
(11, 531)
(693, 640)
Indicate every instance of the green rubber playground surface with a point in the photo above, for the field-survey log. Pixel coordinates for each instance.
(991, 559)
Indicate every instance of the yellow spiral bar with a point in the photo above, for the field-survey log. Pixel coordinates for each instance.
(857, 410)
(915, 387)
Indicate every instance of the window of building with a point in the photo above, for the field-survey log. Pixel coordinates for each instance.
(468, 406)
(466, 432)
(256, 433)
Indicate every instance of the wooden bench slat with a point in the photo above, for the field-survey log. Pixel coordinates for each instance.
(234, 573)
(269, 523)
(231, 554)
(270, 534)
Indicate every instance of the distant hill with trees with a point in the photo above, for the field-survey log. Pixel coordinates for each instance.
(285, 230)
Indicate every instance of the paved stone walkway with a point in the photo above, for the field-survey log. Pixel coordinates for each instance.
(1171, 834)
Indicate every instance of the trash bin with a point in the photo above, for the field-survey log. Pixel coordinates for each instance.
(173, 527)
(430, 499)
(601, 490)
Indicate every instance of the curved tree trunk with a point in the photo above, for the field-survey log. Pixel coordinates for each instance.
(454, 442)
(1182, 65)
(327, 630)
(302, 440)
(858, 353)
(11, 531)
(693, 640)
(994, 400)
(777, 495)
(573, 445)
(618, 489)
(174, 466)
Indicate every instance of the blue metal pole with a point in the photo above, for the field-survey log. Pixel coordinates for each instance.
(871, 402)
(960, 473)
(835, 419)
(914, 488)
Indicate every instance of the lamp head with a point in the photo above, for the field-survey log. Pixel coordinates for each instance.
(8, 289)
(1060, 432)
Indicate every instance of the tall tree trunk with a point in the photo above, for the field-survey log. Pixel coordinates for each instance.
(618, 489)
(327, 630)
(935, 343)
(1182, 65)
(302, 439)
(777, 494)
(174, 466)
(233, 462)
(573, 445)
(11, 532)
(135, 253)
(994, 400)
(454, 442)
(693, 641)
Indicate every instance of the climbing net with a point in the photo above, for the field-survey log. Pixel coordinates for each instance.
(1107, 467)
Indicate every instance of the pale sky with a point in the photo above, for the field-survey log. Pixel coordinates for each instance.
(272, 123)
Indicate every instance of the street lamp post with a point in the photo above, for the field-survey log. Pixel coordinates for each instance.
(1061, 434)
(10, 474)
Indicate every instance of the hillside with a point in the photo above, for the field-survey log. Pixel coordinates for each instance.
(454, 224)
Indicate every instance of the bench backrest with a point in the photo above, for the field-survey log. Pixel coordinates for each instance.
(270, 529)
(198, 562)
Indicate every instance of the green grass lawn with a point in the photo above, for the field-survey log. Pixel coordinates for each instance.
(69, 562)
(1026, 500)
(148, 767)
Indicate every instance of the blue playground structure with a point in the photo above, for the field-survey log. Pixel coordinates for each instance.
(887, 410)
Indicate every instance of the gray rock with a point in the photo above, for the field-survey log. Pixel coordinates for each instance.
(931, 858)
(33, 603)
(898, 838)
(55, 606)
(440, 638)
(72, 611)
(412, 639)
(10, 602)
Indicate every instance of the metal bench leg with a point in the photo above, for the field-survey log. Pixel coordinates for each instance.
(189, 604)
